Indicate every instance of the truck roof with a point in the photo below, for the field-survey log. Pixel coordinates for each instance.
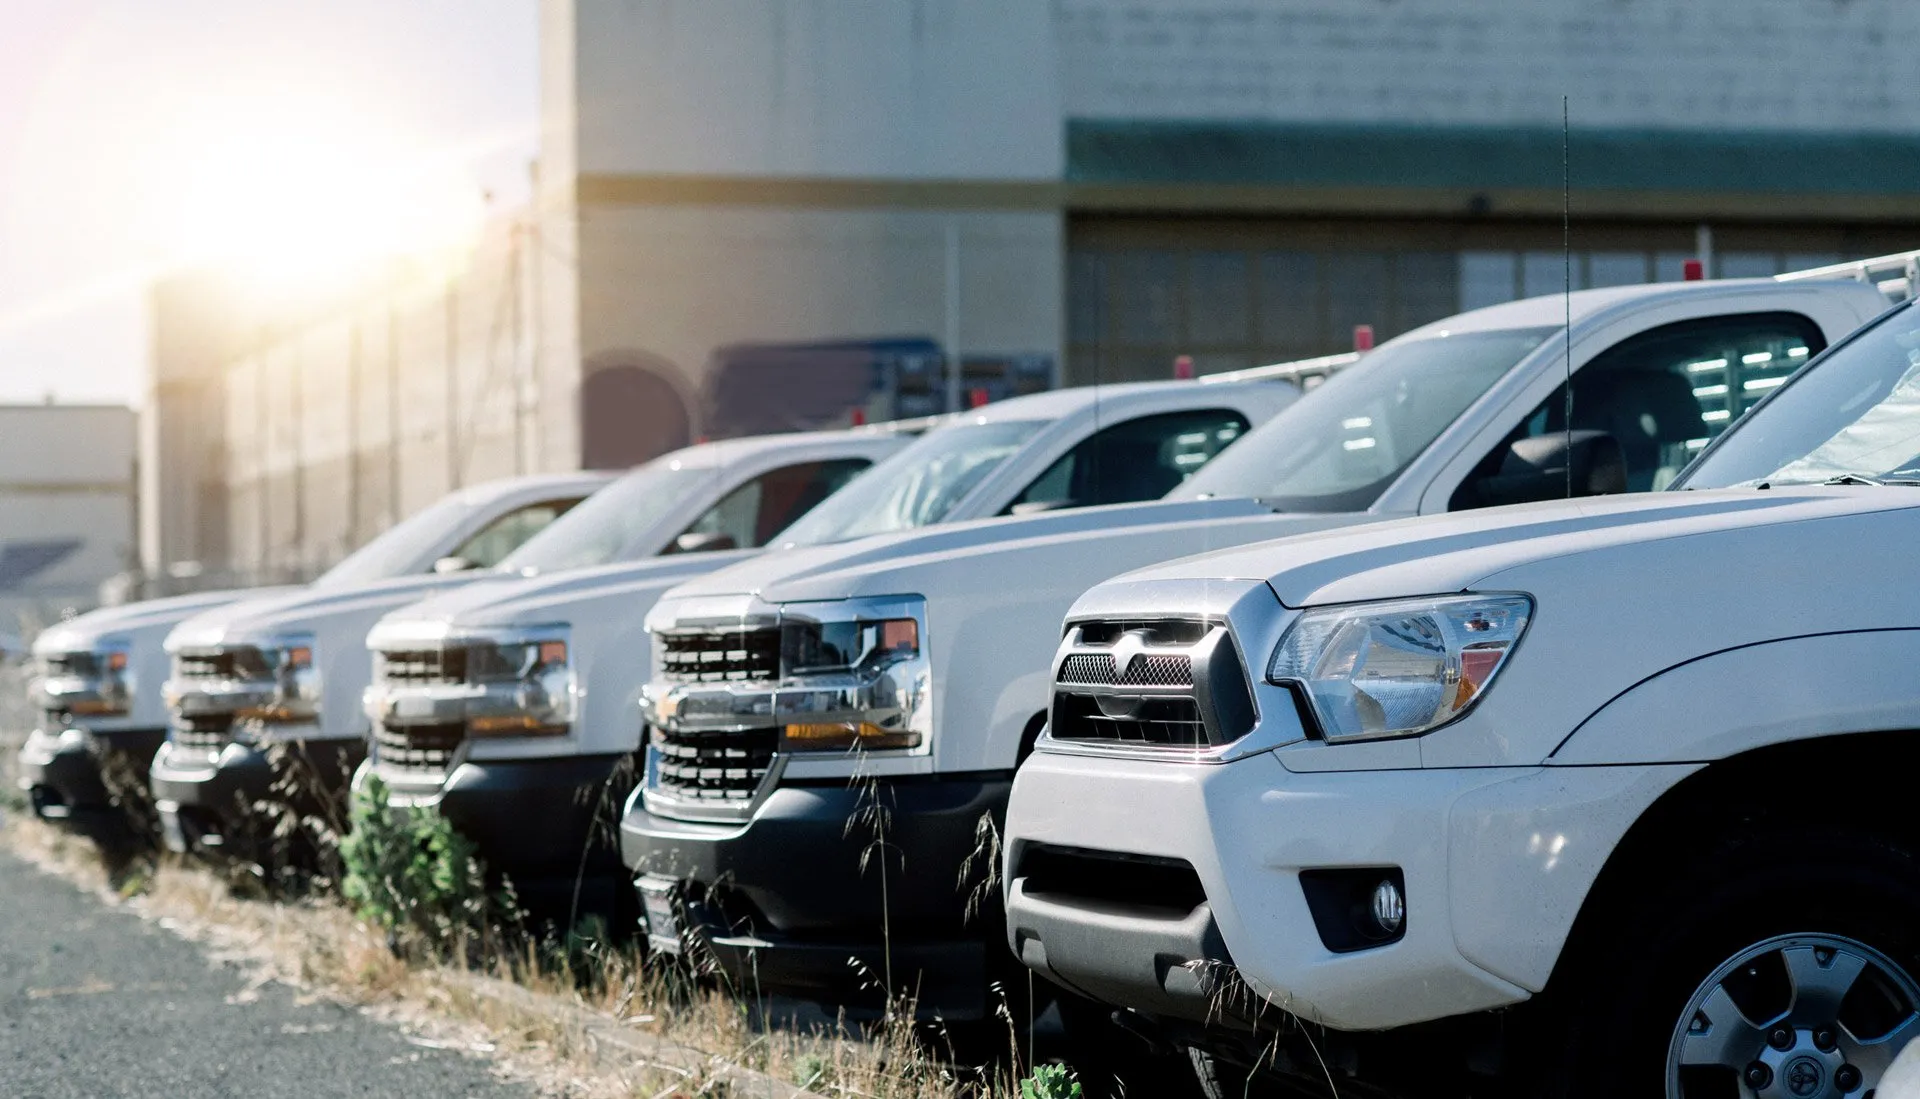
(1552, 310)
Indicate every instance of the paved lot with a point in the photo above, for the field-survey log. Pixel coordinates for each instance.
(95, 1002)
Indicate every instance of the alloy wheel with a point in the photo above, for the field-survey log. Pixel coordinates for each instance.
(1806, 1016)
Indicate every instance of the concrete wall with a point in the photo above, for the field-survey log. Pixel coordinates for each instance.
(1799, 65)
(705, 132)
(889, 89)
(66, 508)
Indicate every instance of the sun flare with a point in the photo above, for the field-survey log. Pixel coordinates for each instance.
(302, 203)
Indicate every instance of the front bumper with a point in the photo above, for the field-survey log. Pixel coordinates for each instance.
(61, 772)
(214, 799)
(817, 896)
(546, 824)
(1247, 830)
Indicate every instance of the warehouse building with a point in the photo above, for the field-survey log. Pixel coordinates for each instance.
(755, 214)
(66, 509)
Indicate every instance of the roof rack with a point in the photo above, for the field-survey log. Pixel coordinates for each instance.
(1306, 373)
(1896, 275)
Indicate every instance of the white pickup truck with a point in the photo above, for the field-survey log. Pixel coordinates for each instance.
(494, 742)
(98, 675)
(1605, 793)
(291, 669)
(918, 663)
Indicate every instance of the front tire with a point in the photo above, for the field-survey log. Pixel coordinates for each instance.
(1780, 963)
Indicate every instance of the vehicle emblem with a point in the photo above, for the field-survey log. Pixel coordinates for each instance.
(1804, 1076)
(1131, 645)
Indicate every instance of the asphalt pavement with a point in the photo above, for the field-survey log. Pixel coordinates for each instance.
(96, 1002)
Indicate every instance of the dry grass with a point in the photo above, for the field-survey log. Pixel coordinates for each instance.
(601, 1026)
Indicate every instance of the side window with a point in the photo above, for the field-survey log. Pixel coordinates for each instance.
(1140, 459)
(1657, 398)
(750, 515)
(502, 536)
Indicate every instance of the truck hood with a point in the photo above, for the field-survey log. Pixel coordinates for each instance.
(1456, 552)
(867, 565)
(538, 600)
(309, 609)
(83, 632)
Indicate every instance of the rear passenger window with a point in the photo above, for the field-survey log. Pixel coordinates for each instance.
(750, 515)
(1139, 459)
(1662, 395)
(493, 542)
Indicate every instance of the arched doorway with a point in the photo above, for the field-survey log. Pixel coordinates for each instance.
(630, 413)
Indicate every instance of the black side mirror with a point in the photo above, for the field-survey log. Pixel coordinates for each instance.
(704, 543)
(454, 563)
(1541, 468)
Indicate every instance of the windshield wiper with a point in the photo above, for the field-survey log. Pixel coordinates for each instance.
(1853, 479)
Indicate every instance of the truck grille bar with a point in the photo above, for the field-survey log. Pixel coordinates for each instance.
(426, 749)
(720, 656)
(712, 767)
(424, 667)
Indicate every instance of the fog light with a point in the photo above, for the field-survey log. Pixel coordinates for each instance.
(1389, 908)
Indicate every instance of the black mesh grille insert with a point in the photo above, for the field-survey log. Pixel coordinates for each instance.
(1159, 671)
(720, 656)
(1173, 722)
(1093, 668)
(427, 748)
(425, 667)
(1147, 670)
(713, 766)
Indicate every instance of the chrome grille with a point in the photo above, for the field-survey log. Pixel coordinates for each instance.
(720, 656)
(208, 733)
(75, 664)
(424, 667)
(423, 748)
(213, 665)
(712, 766)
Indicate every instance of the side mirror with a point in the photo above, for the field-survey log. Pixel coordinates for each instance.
(1541, 468)
(1036, 507)
(454, 563)
(706, 542)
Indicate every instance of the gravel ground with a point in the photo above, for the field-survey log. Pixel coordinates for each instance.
(96, 1002)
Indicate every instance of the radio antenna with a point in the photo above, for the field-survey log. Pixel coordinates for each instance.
(1566, 276)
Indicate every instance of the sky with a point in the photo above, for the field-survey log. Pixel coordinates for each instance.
(141, 136)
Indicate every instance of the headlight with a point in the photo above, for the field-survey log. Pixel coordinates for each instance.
(859, 675)
(1400, 668)
(290, 663)
(535, 664)
(110, 692)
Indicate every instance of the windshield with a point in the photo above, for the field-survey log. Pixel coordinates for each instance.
(1341, 445)
(1856, 414)
(615, 524)
(917, 486)
(401, 549)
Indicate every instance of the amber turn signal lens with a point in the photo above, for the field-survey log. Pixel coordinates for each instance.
(825, 736)
(900, 635)
(513, 725)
